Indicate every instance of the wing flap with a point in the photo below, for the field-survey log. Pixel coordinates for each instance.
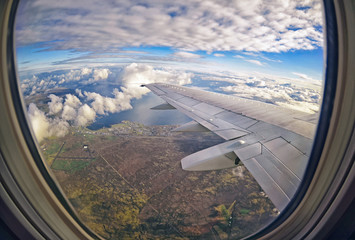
(191, 127)
(268, 184)
(248, 151)
(231, 133)
(274, 172)
(291, 157)
(220, 156)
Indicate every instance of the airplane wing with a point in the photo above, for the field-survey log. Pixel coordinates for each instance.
(273, 143)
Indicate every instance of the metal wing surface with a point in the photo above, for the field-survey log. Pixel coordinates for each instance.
(273, 143)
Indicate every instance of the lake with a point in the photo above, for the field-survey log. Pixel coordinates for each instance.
(142, 113)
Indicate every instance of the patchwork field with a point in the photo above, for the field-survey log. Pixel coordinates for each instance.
(126, 182)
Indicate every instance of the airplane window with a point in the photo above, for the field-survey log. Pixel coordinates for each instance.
(176, 120)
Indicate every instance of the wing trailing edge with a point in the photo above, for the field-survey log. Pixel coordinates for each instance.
(191, 127)
(163, 106)
(220, 156)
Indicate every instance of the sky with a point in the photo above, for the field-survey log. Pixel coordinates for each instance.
(269, 50)
(276, 37)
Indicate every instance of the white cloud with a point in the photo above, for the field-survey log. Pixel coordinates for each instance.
(134, 75)
(302, 76)
(292, 93)
(69, 113)
(86, 71)
(256, 83)
(79, 93)
(45, 127)
(58, 127)
(186, 55)
(138, 74)
(31, 86)
(83, 112)
(101, 74)
(254, 62)
(38, 121)
(270, 26)
(251, 54)
(55, 105)
(218, 55)
(279, 92)
(103, 105)
(239, 56)
(271, 60)
(85, 115)
(72, 101)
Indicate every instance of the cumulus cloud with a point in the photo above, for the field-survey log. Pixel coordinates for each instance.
(39, 122)
(72, 101)
(211, 25)
(58, 127)
(45, 127)
(103, 105)
(69, 113)
(85, 115)
(86, 71)
(76, 112)
(218, 55)
(281, 93)
(101, 74)
(55, 105)
(79, 92)
(134, 75)
(138, 74)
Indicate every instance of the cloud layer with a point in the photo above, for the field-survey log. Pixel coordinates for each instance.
(70, 110)
(82, 108)
(35, 84)
(270, 26)
(288, 93)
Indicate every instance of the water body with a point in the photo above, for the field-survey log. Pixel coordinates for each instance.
(142, 113)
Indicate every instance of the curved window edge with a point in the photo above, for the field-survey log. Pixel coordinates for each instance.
(28, 189)
(311, 214)
(273, 230)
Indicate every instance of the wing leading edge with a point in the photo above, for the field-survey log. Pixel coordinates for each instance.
(273, 143)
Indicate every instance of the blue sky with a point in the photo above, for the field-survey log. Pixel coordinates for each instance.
(259, 49)
(281, 38)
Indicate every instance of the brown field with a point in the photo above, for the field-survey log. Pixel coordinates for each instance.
(131, 185)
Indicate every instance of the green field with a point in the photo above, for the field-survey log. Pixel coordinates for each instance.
(70, 166)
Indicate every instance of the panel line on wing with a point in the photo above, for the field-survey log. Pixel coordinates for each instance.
(281, 162)
(273, 180)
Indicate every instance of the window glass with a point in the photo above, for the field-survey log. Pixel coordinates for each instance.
(83, 65)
